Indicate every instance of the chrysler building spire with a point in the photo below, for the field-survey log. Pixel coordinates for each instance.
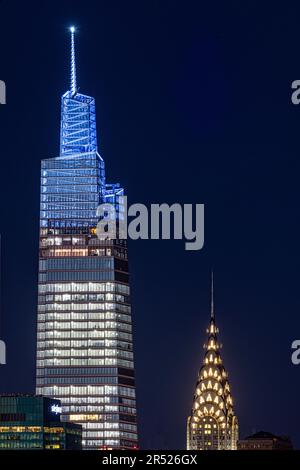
(212, 424)
(212, 309)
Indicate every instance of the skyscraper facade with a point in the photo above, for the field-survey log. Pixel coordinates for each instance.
(84, 328)
(212, 424)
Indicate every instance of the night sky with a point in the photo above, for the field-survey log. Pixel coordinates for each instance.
(193, 106)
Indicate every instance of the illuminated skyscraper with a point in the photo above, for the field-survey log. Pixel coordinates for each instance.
(84, 332)
(212, 424)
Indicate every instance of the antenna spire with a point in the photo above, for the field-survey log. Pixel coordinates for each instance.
(212, 309)
(73, 63)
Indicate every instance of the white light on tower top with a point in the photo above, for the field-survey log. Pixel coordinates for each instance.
(73, 88)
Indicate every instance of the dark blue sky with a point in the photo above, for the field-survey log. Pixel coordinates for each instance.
(193, 106)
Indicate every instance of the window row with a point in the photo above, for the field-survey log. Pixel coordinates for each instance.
(73, 325)
(108, 361)
(44, 354)
(82, 316)
(95, 334)
(72, 307)
(77, 380)
(88, 390)
(76, 263)
(82, 297)
(89, 404)
(84, 287)
(77, 276)
(85, 344)
(81, 370)
(79, 197)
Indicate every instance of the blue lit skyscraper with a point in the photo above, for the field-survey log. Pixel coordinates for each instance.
(84, 332)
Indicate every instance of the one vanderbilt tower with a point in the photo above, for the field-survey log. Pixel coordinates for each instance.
(84, 332)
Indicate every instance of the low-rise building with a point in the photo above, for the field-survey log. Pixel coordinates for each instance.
(33, 422)
(265, 441)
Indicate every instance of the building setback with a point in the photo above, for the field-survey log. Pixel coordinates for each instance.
(212, 424)
(84, 330)
(265, 441)
(32, 422)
